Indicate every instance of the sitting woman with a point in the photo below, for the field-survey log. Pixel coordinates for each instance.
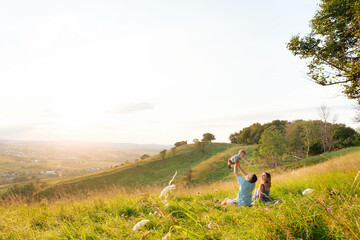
(263, 192)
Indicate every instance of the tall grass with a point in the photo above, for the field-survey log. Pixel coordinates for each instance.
(332, 211)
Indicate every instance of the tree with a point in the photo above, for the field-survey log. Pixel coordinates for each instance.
(345, 136)
(233, 138)
(276, 124)
(173, 149)
(178, 144)
(333, 46)
(295, 137)
(252, 134)
(189, 175)
(272, 147)
(195, 140)
(144, 156)
(326, 129)
(309, 135)
(201, 146)
(162, 154)
(208, 137)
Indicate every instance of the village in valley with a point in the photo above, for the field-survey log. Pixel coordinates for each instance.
(23, 161)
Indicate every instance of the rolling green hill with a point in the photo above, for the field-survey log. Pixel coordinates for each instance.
(207, 168)
(151, 171)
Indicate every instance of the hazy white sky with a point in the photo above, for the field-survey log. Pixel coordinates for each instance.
(154, 71)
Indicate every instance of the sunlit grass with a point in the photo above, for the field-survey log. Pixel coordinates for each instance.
(331, 211)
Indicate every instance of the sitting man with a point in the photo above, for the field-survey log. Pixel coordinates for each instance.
(247, 185)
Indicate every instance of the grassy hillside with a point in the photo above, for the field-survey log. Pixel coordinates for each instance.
(214, 169)
(207, 168)
(152, 171)
(331, 212)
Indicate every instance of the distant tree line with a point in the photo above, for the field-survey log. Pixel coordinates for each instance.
(296, 139)
(207, 138)
(252, 134)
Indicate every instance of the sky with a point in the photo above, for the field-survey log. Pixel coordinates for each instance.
(154, 71)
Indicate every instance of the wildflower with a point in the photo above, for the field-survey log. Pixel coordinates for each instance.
(166, 190)
(155, 212)
(209, 225)
(356, 177)
(166, 236)
(172, 178)
(323, 200)
(328, 209)
(307, 191)
(316, 202)
(140, 224)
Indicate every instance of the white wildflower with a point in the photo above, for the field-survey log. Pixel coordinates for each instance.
(307, 191)
(172, 178)
(356, 177)
(140, 224)
(209, 225)
(166, 190)
(166, 236)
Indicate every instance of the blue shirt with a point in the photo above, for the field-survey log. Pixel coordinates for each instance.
(245, 190)
(235, 158)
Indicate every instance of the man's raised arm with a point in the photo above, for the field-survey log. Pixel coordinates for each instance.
(243, 173)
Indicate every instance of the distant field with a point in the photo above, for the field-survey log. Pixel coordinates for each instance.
(22, 161)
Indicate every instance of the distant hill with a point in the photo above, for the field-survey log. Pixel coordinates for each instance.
(99, 144)
(26, 160)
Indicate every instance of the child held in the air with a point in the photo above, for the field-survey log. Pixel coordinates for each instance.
(237, 158)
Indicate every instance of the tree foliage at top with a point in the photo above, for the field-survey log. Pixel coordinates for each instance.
(252, 134)
(163, 154)
(178, 144)
(272, 147)
(333, 46)
(297, 139)
(144, 156)
(208, 137)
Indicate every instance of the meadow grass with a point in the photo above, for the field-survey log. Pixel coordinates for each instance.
(332, 211)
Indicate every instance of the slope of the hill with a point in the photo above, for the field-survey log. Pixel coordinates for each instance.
(214, 169)
(331, 211)
(153, 171)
